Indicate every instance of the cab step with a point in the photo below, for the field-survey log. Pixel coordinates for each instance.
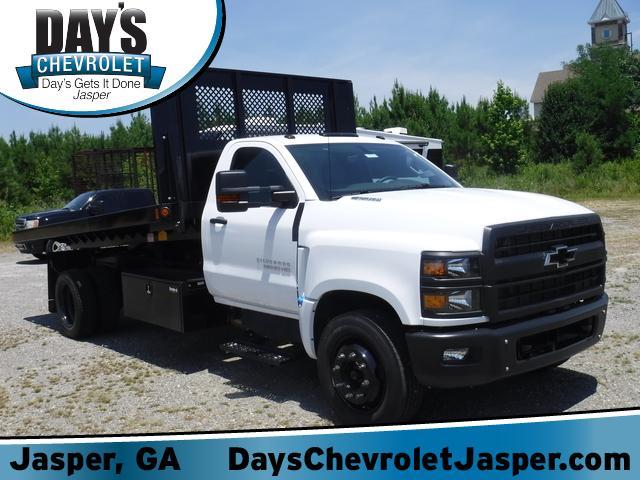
(253, 351)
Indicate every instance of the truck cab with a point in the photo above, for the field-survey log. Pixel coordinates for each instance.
(474, 283)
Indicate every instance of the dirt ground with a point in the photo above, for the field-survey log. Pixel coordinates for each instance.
(143, 379)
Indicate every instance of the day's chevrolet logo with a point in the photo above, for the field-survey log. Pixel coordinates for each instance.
(560, 257)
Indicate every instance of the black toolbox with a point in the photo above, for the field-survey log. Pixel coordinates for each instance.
(174, 299)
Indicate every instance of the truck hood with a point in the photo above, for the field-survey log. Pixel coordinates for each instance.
(444, 219)
(52, 216)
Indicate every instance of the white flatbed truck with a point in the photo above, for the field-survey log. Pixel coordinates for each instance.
(382, 267)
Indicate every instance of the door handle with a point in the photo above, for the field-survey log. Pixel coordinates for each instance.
(218, 221)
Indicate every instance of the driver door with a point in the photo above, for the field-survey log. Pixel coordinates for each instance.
(250, 261)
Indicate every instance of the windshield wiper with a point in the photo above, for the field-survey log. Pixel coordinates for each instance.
(408, 187)
(422, 187)
(365, 192)
(350, 194)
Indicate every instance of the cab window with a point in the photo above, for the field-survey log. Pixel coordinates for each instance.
(263, 170)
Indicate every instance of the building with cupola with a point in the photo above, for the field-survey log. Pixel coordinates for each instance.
(609, 26)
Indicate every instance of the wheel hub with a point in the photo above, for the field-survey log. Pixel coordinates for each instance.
(354, 375)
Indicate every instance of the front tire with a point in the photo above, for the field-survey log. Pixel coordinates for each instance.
(76, 304)
(364, 370)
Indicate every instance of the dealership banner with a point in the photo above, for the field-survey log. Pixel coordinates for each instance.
(116, 64)
(598, 446)
(108, 57)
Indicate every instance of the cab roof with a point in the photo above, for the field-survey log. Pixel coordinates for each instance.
(312, 139)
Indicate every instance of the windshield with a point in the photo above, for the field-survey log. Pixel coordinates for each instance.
(79, 202)
(354, 168)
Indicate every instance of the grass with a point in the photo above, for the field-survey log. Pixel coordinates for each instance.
(13, 338)
(4, 398)
(620, 180)
(7, 247)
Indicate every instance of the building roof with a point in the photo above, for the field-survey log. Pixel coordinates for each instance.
(545, 80)
(608, 11)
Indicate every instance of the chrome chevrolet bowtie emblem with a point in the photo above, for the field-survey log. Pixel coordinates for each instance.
(560, 257)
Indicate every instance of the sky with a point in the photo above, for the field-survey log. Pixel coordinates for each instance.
(460, 47)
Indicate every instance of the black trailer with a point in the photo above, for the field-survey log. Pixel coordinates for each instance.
(155, 252)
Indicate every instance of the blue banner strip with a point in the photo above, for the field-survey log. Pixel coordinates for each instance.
(113, 64)
(575, 448)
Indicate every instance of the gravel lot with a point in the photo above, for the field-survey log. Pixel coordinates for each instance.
(143, 379)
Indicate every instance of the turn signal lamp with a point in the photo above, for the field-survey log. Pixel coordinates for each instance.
(450, 268)
(434, 268)
(435, 302)
(451, 302)
(230, 197)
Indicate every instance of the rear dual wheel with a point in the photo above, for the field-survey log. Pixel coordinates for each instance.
(76, 304)
(364, 370)
(88, 301)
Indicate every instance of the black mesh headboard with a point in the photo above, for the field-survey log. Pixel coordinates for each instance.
(221, 105)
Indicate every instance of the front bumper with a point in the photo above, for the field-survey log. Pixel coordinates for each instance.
(500, 351)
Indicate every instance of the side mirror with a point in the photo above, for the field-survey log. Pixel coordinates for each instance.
(451, 170)
(285, 198)
(232, 191)
(96, 208)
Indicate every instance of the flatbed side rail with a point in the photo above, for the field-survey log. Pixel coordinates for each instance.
(139, 225)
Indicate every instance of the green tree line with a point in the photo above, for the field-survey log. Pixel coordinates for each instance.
(591, 118)
(36, 168)
(588, 131)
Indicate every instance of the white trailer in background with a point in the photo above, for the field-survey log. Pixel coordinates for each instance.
(429, 148)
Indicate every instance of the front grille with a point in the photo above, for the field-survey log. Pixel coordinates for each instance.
(524, 243)
(20, 224)
(550, 287)
(519, 281)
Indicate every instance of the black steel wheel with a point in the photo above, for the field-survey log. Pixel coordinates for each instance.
(76, 304)
(364, 370)
(356, 377)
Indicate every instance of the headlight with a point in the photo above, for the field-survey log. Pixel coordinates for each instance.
(451, 301)
(449, 267)
(31, 224)
(450, 284)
